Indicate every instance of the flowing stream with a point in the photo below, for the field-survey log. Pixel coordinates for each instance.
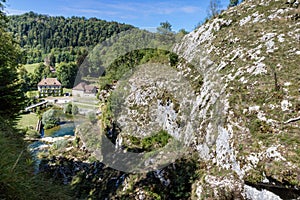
(37, 147)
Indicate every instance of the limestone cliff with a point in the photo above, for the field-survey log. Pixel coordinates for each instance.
(249, 57)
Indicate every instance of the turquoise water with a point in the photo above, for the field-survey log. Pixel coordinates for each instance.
(65, 129)
(62, 130)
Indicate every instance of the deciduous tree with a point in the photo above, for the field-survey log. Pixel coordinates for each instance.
(213, 8)
(50, 119)
(165, 27)
(66, 74)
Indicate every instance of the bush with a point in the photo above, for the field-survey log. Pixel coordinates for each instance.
(92, 117)
(71, 109)
(75, 110)
(50, 119)
(32, 133)
(68, 108)
(148, 144)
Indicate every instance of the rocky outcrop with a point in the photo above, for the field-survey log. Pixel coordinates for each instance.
(232, 99)
(239, 54)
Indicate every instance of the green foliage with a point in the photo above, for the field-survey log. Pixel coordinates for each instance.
(164, 28)
(32, 133)
(148, 144)
(71, 109)
(124, 64)
(27, 121)
(60, 144)
(16, 171)
(41, 35)
(233, 3)
(50, 119)
(92, 117)
(66, 74)
(68, 108)
(173, 59)
(3, 18)
(11, 98)
(75, 110)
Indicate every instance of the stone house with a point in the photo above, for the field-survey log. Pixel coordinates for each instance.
(49, 87)
(84, 90)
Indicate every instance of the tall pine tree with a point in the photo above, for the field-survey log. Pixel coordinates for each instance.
(11, 96)
(233, 3)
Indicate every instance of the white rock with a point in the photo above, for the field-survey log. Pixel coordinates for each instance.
(203, 151)
(261, 116)
(287, 84)
(254, 108)
(245, 20)
(270, 46)
(253, 158)
(272, 152)
(267, 37)
(254, 194)
(199, 191)
(257, 69)
(285, 105)
(52, 140)
(281, 38)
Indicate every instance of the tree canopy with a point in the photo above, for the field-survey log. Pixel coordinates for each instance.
(11, 97)
(233, 3)
(66, 74)
(41, 35)
(213, 8)
(165, 27)
(50, 118)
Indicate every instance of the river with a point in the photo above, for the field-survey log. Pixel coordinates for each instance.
(35, 148)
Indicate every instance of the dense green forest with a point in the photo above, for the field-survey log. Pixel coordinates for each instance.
(63, 44)
(40, 35)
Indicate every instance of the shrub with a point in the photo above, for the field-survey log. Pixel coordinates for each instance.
(32, 133)
(50, 119)
(75, 110)
(68, 108)
(92, 117)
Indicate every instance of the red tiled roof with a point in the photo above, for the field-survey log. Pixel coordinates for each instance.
(49, 82)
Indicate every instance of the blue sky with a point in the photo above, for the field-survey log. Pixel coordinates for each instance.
(143, 14)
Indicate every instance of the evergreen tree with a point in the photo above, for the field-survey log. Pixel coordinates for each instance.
(56, 37)
(11, 96)
(233, 3)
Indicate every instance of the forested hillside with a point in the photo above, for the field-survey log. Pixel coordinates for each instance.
(41, 35)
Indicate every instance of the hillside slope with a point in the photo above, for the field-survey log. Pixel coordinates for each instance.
(42, 34)
(249, 56)
(229, 104)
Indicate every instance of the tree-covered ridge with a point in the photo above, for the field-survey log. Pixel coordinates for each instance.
(39, 34)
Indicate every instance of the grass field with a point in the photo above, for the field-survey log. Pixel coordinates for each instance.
(67, 90)
(27, 120)
(31, 67)
(31, 94)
